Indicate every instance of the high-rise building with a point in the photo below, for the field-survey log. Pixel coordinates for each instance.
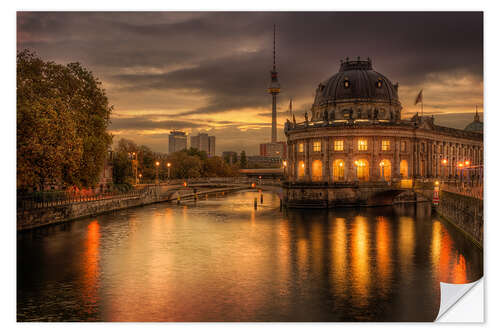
(204, 142)
(177, 141)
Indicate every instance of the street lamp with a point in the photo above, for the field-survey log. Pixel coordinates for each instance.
(168, 167)
(461, 167)
(382, 165)
(140, 176)
(157, 165)
(444, 162)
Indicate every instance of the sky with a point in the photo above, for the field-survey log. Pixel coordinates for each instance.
(208, 71)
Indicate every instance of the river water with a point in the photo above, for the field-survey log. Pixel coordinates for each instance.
(218, 259)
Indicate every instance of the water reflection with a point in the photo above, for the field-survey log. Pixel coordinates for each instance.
(91, 267)
(219, 259)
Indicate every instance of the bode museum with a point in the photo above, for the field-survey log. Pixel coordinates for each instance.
(355, 143)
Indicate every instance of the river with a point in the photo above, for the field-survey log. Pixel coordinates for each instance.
(219, 259)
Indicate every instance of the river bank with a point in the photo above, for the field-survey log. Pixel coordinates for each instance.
(43, 216)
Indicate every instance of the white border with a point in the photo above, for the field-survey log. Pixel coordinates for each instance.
(492, 157)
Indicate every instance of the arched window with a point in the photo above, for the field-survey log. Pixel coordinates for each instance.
(338, 170)
(385, 170)
(317, 171)
(403, 168)
(362, 169)
(301, 170)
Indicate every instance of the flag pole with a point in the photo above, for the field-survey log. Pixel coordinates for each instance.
(422, 105)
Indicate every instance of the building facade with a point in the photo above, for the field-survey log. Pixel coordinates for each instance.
(356, 135)
(204, 142)
(177, 141)
(277, 149)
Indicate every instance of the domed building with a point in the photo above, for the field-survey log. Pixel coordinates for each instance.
(356, 143)
(476, 125)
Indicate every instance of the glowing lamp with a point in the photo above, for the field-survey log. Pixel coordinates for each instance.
(444, 161)
(467, 163)
(169, 164)
(157, 163)
(436, 183)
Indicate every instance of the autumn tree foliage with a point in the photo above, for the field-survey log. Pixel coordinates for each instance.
(62, 116)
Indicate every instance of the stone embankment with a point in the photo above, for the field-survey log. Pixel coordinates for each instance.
(465, 212)
(37, 217)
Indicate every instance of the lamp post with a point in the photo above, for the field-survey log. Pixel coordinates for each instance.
(157, 178)
(284, 169)
(444, 162)
(382, 165)
(461, 167)
(168, 168)
(140, 176)
(467, 170)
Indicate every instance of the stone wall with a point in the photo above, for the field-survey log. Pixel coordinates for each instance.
(32, 218)
(464, 212)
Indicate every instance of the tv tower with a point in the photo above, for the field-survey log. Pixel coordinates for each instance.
(274, 90)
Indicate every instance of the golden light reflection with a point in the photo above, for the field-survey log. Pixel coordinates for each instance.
(441, 255)
(339, 256)
(317, 247)
(303, 257)
(91, 266)
(384, 258)
(459, 273)
(406, 242)
(360, 245)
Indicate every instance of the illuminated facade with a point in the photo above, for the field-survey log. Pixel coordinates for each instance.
(356, 135)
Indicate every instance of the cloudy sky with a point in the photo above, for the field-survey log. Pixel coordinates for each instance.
(208, 71)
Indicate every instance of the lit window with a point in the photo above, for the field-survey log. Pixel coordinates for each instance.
(362, 144)
(338, 145)
(301, 147)
(386, 145)
(403, 145)
(317, 146)
(346, 82)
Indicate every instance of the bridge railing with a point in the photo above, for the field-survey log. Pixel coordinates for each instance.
(52, 199)
(470, 191)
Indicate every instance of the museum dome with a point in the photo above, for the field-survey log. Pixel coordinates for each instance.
(476, 125)
(357, 93)
(356, 80)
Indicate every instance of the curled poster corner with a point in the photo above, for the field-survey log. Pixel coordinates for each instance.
(461, 302)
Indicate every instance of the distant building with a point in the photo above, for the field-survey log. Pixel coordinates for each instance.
(230, 157)
(276, 149)
(177, 141)
(264, 162)
(204, 142)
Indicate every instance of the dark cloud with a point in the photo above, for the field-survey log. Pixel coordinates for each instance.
(202, 64)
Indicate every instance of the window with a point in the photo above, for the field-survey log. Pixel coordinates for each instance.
(301, 147)
(317, 170)
(386, 145)
(362, 144)
(317, 146)
(346, 83)
(403, 146)
(338, 145)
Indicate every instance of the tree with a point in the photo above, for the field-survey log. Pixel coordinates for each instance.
(62, 116)
(122, 168)
(243, 159)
